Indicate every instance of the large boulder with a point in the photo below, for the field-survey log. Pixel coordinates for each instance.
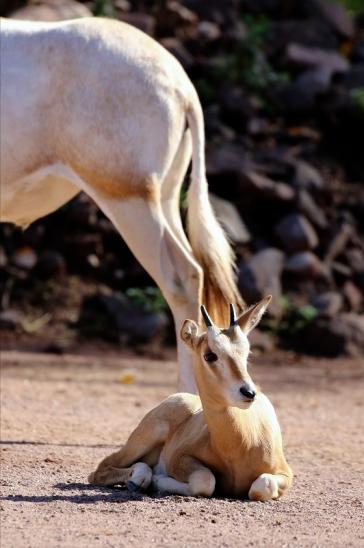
(335, 336)
(260, 276)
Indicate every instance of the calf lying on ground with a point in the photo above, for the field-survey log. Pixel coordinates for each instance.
(227, 438)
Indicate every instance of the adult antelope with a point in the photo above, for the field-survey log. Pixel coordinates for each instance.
(226, 438)
(96, 105)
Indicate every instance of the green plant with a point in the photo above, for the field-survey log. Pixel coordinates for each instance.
(103, 8)
(247, 64)
(294, 319)
(150, 298)
(357, 95)
(354, 7)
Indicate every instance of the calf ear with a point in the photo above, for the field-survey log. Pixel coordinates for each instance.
(189, 333)
(251, 317)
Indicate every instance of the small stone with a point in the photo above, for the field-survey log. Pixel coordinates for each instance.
(309, 207)
(328, 304)
(339, 241)
(262, 186)
(9, 319)
(306, 265)
(337, 17)
(353, 295)
(306, 175)
(296, 233)
(24, 258)
(299, 55)
(208, 31)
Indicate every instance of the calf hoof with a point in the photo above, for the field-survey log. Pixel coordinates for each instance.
(133, 487)
(91, 478)
(265, 487)
(141, 477)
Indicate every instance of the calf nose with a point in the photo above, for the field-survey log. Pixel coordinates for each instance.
(247, 391)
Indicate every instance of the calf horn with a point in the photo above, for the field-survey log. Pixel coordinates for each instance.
(206, 317)
(233, 320)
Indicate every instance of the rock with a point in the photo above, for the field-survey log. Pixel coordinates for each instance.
(50, 264)
(337, 17)
(355, 260)
(301, 94)
(80, 246)
(352, 295)
(229, 217)
(306, 265)
(261, 276)
(52, 10)
(226, 160)
(332, 337)
(304, 56)
(267, 189)
(358, 53)
(328, 304)
(172, 15)
(307, 205)
(296, 233)
(24, 258)
(176, 48)
(113, 317)
(237, 105)
(314, 33)
(215, 127)
(339, 241)
(306, 175)
(9, 319)
(208, 31)
(261, 341)
(353, 78)
(141, 21)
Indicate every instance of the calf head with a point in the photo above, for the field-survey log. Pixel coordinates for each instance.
(221, 367)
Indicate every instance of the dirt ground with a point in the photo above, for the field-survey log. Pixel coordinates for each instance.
(62, 414)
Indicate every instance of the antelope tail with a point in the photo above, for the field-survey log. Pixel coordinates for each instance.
(209, 243)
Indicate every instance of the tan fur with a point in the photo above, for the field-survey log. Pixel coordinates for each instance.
(196, 444)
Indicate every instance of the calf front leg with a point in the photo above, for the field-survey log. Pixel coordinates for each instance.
(200, 480)
(269, 486)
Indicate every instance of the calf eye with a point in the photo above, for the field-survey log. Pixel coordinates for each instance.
(210, 357)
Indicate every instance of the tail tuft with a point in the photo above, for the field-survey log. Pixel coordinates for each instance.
(209, 243)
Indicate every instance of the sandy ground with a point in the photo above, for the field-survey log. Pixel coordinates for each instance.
(62, 414)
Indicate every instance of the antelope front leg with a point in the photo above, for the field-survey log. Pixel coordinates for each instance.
(269, 486)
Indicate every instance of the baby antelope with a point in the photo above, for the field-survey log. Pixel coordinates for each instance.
(226, 440)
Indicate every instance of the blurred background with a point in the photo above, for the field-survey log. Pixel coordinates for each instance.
(282, 87)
